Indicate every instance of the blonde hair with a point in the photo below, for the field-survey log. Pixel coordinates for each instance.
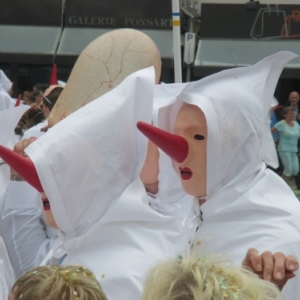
(286, 110)
(58, 282)
(205, 278)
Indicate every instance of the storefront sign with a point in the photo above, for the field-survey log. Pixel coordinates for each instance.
(143, 14)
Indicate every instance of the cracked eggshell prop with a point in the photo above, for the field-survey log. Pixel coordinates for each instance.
(103, 65)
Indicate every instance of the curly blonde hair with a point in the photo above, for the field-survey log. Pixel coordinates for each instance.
(58, 282)
(205, 278)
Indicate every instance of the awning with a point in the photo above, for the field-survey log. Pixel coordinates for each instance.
(74, 40)
(41, 45)
(214, 55)
(28, 44)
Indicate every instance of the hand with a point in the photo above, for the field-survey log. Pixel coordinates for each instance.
(20, 146)
(276, 268)
(45, 128)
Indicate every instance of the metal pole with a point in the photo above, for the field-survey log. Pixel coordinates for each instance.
(189, 69)
(176, 41)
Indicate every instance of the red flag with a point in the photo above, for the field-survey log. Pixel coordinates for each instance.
(18, 100)
(53, 80)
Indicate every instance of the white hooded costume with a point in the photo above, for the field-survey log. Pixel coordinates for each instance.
(7, 278)
(19, 205)
(6, 102)
(88, 166)
(8, 121)
(247, 205)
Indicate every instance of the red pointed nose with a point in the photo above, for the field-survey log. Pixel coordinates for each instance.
(173, 145)
(22, 165)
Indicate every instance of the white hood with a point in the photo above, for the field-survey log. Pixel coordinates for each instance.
(5, 83)
(236, 104)
(88, 165)
(247, 205)
(94, 154)
(171, 199)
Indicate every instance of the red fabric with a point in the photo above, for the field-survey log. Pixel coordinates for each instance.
(53, 80)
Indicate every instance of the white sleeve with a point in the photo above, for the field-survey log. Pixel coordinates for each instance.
(23, 233)
(7, 278)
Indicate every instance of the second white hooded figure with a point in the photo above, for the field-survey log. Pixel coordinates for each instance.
(88, 167)
(217, 132)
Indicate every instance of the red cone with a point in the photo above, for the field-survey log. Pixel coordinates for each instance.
(53, 80)
(173, 145)
(18, 100)
(23, 166)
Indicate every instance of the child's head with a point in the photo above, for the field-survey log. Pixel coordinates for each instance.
(57, 282)
(205, 278)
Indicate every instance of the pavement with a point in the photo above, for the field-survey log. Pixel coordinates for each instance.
(294, 188)
(296, 191)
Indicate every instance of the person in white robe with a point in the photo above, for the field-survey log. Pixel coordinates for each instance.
(219, 148)
(88, 169)
(102, 65)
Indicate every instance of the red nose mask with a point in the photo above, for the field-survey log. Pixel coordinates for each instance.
(173, 145)
(23, 166)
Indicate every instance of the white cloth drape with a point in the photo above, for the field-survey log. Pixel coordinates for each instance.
(247, 205)
(89, 164)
